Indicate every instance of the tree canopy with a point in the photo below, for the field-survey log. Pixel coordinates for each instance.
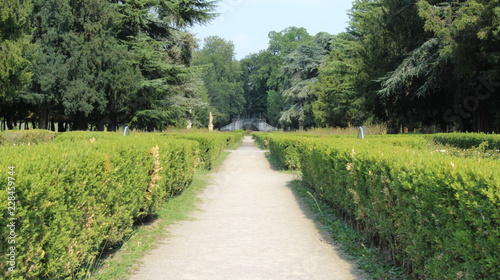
(98, 63)
(222, 77)
(423, 65)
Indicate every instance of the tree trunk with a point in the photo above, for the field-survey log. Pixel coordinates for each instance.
(100, 125)
(60, 127)
(113, 124)
(52, 125)
(43, 116)
(80, 122)
(10, 124)
(482, 121)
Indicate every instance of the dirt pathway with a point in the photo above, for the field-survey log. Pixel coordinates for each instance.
(250, 227)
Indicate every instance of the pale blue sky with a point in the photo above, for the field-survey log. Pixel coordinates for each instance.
(248, 22)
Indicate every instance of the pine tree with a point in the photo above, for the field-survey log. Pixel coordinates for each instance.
(338, 103)
(155, 32)
(468, 34)
(301, 69)
(16, 55)
(281, 44)
(82, 72)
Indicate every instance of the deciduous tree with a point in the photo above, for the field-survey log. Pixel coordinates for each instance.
(223, 78)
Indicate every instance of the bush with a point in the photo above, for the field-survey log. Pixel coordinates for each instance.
(86, 136)
(285, 148)
(75, 199)
(285, 151)
(26, 137)
(468, 140)
(436, 215)
(211, 144)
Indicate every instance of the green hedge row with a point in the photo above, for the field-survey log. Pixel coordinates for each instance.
(468, 140)
(437, 216)
(82, 193)
(211, 144)
(84, 136)
(26, 137)
(284, 148)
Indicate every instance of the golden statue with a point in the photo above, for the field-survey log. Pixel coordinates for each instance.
(210, 123)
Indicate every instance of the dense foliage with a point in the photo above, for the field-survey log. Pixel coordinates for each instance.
(75, 65)
(432, 213)
(413, 65)
(222, 77)
(80, 194)
(424, 65)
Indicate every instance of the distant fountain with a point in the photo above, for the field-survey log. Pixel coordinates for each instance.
(126, 131)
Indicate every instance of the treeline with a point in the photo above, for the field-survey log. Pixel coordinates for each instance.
(96, 64)
(411, 64)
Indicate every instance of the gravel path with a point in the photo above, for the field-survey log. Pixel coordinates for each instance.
(250, 227)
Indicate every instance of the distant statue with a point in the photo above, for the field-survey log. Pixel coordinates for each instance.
(210, 123)
(190, 121)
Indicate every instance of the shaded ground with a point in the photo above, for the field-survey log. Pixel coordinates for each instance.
(250, 227)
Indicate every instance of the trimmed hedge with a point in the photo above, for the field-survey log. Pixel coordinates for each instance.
(84, 136)
(436, 215)
(26, 137)
(285, 147)
(211, 144)
(468, 140)
(77, 198)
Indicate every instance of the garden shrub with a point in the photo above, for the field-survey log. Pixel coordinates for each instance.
(75, 199)
(436, 215)
(26, 137)
(211, 144)
(468, 140)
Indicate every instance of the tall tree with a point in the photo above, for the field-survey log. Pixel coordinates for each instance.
(158, 19)
(101, 62)
(155, 32)
(281, 44)
(53, 21)
(412, 89)
(338, 102)
(367, 27)
(388, 31)
(288, 40)
(223, 78)
(468, 34)
(264, 77)
(301, 69)
(16, 53)
(257, 71)
(81, 69)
